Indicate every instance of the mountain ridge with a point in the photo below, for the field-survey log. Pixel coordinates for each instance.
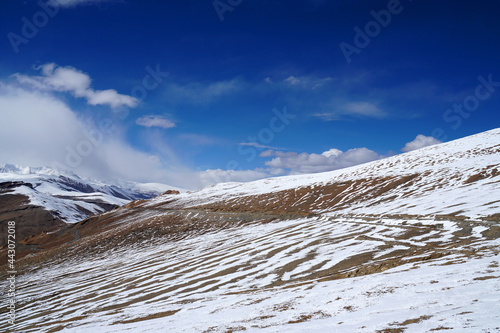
(428, 181)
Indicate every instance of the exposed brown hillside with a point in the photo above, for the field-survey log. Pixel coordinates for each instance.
(30, 220)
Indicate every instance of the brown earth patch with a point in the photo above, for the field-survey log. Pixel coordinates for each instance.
(441, 328)
(489, 277)
(492, 233)
(404, 323)
(307, 200)
(152, 316)
(488, 172)
(30, 220)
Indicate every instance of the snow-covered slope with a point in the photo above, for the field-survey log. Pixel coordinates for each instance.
(354, 250)
(303, 275)
(70, 197)
(461, 177)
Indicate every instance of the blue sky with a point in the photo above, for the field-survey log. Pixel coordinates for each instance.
(191, 92)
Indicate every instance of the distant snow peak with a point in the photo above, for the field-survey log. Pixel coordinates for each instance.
(71, 198)
(29, 170)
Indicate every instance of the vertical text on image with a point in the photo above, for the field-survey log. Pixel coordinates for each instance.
(11, 279)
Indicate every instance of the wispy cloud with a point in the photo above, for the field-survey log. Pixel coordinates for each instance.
(326, 116)
(364, 109)
(200, 93)
(73, 3)
(257, 145)
(324, 97)
(155, 121)
(331, 98)
(307, 82)
(353, 97)
(420, 141)
(292, 80)
(73, 81)
(336, 110)
(203, 93)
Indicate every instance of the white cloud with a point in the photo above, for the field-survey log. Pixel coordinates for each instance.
(35, 127)
(110, 97)
(38, 129)
(155, 121)
(332, 153)
(420, 142)
(332, 159)
(118, 159)
(75, 82)
(288, 163)
(73, 3)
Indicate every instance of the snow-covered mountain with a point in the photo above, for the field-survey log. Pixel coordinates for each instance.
(461, 177)
(43, 199)
(410, 243)
(70, 197)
